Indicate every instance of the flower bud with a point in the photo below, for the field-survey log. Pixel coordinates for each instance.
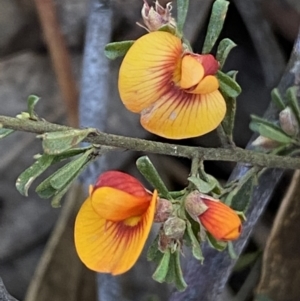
(217, 218)
(174, 227)
(155, 18)
(288, 122)
(163, 210)
(265, 143)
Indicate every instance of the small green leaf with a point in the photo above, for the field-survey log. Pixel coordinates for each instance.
(223, 51)
(55, 143)
(246, 260)
(216, 244)
(45, 190)
(231, 250)
(215, 25)
(61, 179)
(154, 254)
(269, 130)
(203, 186)
(196, 250)
(228, 121)
(117, 49)
(243, 192)
(291, 95)
(171, 275)
(150, 173)
(26, 178)
(5, 132)
(163, 267)
(64, 174)
(61, 192)
(179, 280)
(32, 100)
(182, 9)
(228, 85)
(277, 99)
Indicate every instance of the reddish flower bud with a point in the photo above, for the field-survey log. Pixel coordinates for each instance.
(163, 210)
(174, 227)
(217, 218)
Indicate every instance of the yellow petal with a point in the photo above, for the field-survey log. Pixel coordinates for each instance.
(207, 85)
(116, 205)
(191, 72)
(110, 247)
(148, 69)
(179, 115)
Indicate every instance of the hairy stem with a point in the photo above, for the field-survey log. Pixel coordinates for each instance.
(210, 154)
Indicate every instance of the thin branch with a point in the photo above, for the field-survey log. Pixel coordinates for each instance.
(60, 57)
(206, 154)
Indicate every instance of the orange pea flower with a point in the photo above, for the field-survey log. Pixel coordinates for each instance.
(174, 90)
(113, 223)
(217, 218)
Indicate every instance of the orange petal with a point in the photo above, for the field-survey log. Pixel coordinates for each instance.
(117, 205)
(121, 181)
(191, 72)
(110, 247)
(207, 85)
(221, 221)
(179, 115)
(147, 69)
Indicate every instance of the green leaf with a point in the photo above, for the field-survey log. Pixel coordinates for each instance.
(26, 178)
(269, 130)
(154, 254)
(228, 85)
(223, 51)
(32, 100)
(196, 250)
(231, 250)
(5, 132)
(216, 244)
(163, 267)
(64, 174)
(203, 186)
(55, 143)
(246, 260)
(215, 24)
(60, 193)
(179, 280)
(277, 99)
(171, 275)
(117, 49)
(182, 9)
(61, 179)
(291, 94)
(228, 121)
(242, 194)
(150, 173)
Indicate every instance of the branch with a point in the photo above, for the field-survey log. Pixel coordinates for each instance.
(209, 154)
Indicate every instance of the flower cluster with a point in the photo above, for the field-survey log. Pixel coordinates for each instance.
(114, 222)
